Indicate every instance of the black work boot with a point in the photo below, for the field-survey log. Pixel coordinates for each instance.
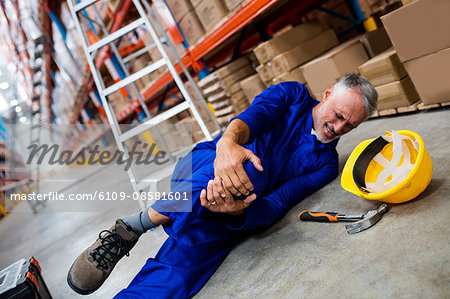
(93, 266)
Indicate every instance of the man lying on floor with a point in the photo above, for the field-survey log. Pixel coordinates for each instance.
(271, 156)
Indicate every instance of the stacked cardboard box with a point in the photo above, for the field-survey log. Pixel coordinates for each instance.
(189, 128)
(118, 101)
(223, 90)
(290, 49)
(210, 12)
(376, 42)
(327, 69)
(176, 136)
(285, 41)
(154, 53)
(302, 53)
(406, 2)
(420, 34)
(233, 4)
(179, 8)
(186, 17)
(252, 86)
(183, 129)
(139, 63)
(184, 125)
(196, 17)
(192, 28)
(387, 74)
(205, 114)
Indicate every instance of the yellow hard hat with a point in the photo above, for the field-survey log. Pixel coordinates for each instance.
(393, 168)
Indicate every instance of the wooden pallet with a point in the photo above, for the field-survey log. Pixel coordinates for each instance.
(411, 108)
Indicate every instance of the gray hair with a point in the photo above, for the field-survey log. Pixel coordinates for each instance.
(363, 87)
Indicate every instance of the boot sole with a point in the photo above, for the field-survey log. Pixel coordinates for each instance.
(77, 290)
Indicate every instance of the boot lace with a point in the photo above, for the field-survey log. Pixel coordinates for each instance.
(112, 246)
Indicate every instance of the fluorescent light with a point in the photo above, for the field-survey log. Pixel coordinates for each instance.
(14, 102)
(11, 67)
(18, 109)
(4, 85)
(23, 119)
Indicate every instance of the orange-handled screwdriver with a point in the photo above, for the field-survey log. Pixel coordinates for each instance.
(327, 216)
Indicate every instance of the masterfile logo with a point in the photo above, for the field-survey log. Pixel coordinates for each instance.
(94, 155)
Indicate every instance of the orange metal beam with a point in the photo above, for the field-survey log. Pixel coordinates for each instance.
(241, 18)
(131, 48)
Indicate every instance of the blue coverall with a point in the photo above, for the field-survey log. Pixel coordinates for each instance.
(295, 165)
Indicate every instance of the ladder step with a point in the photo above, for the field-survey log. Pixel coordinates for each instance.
(130, 79)
(83, 4)
(116, 34)
(141, 51)
(153, 121)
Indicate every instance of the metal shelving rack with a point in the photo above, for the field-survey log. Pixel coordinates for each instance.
(236, 22)
(230, 31)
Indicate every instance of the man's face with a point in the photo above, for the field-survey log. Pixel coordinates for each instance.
(338, 113)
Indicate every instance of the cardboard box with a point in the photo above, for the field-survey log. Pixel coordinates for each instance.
(232, 4)
(232, 67)
(406, 2)
(327, 69)
(195, 3)
(213, 90)
(265, 72)
(240, 105)
(238, 96)
(383, 68)
(220, 104)
(219, 96)
(236, 86)
(287, 40)
(317, 95)
(113, 5)
(431, 76)
(302, 53)
(376, 42)
(224, 72)
(420, 28)
(224, 111)
(242, 73)
(252, 86)
(294, 75)
(179, 8)
(203, 111)
(191, 27)
(210, 12)
(396, 94)
(224, 120)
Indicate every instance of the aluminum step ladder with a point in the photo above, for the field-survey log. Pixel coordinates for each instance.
(152, 182)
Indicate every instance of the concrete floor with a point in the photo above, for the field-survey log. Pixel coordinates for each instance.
(406, 255)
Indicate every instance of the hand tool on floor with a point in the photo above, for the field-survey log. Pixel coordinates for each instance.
(363, 221)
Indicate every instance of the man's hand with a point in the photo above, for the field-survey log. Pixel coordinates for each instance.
(212, 200)
(228, 166)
